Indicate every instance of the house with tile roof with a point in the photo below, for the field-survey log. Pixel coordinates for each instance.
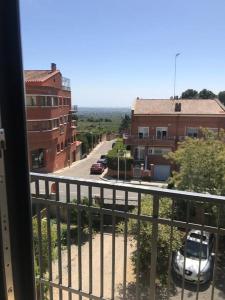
(157, 125)
(51, 122)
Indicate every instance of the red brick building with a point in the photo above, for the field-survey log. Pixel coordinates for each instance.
(51, 123)
(158, 125)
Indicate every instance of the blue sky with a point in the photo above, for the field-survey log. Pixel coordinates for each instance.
(116, 50)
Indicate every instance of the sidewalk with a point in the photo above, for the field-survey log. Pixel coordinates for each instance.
(158, 184)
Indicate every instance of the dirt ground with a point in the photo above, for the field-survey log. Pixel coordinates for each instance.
(189, 292)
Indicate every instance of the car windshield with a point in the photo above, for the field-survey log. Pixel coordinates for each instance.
(194, 249)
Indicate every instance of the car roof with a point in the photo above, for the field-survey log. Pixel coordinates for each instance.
(198, 236)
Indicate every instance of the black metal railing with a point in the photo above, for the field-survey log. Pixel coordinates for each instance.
(98, 240)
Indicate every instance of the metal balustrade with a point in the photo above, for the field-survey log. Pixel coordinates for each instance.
(97, 275)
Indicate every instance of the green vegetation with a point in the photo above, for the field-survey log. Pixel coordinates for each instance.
(201, 163)
(44, 249)
(89, 140)
(143, 235)
(189, 94)
(221, 97)
(101, 120)
(203, 94)
(125, 123)
(112, 156)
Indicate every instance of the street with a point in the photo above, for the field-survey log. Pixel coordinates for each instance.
(81, 169)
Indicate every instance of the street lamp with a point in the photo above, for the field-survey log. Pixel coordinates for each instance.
(175, 74)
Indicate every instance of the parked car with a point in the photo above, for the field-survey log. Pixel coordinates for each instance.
(103, 161)
(97, 168)
(199, 257)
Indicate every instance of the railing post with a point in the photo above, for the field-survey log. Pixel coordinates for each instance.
(154, 246)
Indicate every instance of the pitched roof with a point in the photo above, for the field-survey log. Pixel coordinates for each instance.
(38, 75)
(188, 107)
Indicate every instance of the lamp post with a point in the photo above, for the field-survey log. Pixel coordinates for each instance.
(175, 75)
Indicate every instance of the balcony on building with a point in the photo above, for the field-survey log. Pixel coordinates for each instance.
(66, 84)
(151, 140)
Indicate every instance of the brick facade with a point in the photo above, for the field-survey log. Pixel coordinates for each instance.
(50, 121)
(145, 148)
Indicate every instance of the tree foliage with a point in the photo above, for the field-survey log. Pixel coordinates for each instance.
(221, 97)
(206, 94)
(125, 123)
(189, 94)
(145, 240)
(201, 163)
(113, 156)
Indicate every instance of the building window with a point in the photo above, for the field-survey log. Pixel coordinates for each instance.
(158, 151)
(65, 119)
(161, 133)
(37, 158)
(60, 101)
(31, 101)
(143, 132)
(140, 153)
(66, 144)
(58, 147)
(41, 100)
(55, 101)
(49, 101)
(192, 132)
(61, 120)
(62, 147)
(55, 123)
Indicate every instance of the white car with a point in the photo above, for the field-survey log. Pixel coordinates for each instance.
(199, 257)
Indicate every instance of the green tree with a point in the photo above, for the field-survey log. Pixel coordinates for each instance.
(44, 248)
(206, 94)
(201, 164)
(221, 97)
(189, 94)
(144, 236)
(125, 123)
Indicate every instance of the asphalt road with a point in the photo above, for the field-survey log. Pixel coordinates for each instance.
(81, 169)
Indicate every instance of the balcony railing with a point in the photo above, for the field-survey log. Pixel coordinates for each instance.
(150, 140)
(94, 258)
(66, 84)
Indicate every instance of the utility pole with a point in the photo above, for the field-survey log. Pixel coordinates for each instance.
(175, 75)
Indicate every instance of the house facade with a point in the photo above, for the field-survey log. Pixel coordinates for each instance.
(51, 122)
(157, 125)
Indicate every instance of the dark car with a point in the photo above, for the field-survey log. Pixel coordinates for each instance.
(97, 168)
(103, 161)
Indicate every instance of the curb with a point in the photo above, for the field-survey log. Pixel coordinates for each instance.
(102, 177)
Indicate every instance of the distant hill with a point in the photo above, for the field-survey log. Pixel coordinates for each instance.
(103, 111)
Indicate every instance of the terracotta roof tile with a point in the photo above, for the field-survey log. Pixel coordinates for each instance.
(38, 75)
(188, 107)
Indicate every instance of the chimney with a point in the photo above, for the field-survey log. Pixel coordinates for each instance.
(53, 67)
(177, 107)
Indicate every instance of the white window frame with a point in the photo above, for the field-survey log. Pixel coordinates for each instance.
(152, 150)
(140, 130)
(192, 135)
(161, 129)
(141, 148)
